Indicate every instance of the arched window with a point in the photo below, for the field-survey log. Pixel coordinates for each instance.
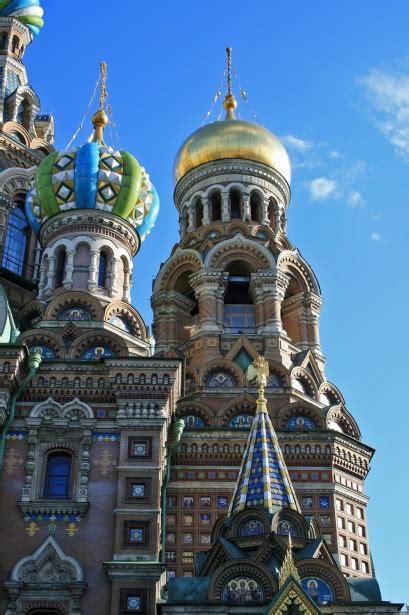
(235, 204)
(15, 244)
(57, 475)
(102, 269)
(215, 206)
(255, 207)
(23, 113)
(271, 214)
(15, 44)
(238, 302)
(60, 267)
(198, 213)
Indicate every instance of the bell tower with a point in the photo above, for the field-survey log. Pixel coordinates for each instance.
(234, 288)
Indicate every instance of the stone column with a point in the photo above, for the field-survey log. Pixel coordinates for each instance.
(37, 260)
(220, 293)
(113, 276)
(127, 286)
(312, 314)
(17, 103)
(206, 216)
(191, 218)
(269, 289)
(206, 285)
(225, 207)
(50, 277)
(302, 319)
(264, 212)
(42, 281)
(69, 270)
(246, 208)
(93, 270)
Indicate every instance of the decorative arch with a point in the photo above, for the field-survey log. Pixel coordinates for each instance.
(42, 146)
(50, 575)
(332, 392)
(180, 262)
(221, 365)
(245, 404)
(15, 180)
(328, 573)
(238, 567)
(297, 409)
(241, 518)
(295, 520)
(237, 227)
(120, 308)
(14, 128)
(42, 337)
(283, 243)
(302, 374)
(80, 298)
(292, 263)
(196, 409)
(340, 415)
(239, 248)
(75, 409)
(101, 338)
(31, 313)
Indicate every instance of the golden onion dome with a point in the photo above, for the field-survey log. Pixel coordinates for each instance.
(232, 138)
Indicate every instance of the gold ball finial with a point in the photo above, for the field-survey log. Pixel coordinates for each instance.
(100, 118)
(230, 102)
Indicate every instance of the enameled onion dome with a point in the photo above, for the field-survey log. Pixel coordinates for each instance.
(93, 176)
(28, 12)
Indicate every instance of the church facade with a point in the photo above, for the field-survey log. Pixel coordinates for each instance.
(213, 470)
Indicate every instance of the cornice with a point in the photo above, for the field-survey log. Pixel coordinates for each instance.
(247, 171)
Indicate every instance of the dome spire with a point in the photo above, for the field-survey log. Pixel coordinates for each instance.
(100, 118)
(230, 102)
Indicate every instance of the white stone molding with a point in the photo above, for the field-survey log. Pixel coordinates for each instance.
(47, 577)
(69, 269)
(238, 241)
(93, 270)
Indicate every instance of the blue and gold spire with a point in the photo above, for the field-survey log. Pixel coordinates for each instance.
(263, 480)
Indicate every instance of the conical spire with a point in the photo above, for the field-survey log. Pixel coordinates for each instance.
(263, 479)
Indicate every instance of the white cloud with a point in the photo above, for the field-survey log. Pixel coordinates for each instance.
(322, 188)
(388, 96)
(334, 154)
(354, 199)
(294, 143)
(376, 237)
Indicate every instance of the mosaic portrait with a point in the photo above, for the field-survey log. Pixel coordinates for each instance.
(243, 590)
(317, 590)
(301, 423)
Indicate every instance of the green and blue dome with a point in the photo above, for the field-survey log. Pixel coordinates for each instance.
(28, 12)
(93, 176)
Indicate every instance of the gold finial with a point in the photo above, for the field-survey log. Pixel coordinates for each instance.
(230, 102)
(259, 371)
(100, 118)
(288, 567)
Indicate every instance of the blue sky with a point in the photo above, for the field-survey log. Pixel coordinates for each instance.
(332, 80)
